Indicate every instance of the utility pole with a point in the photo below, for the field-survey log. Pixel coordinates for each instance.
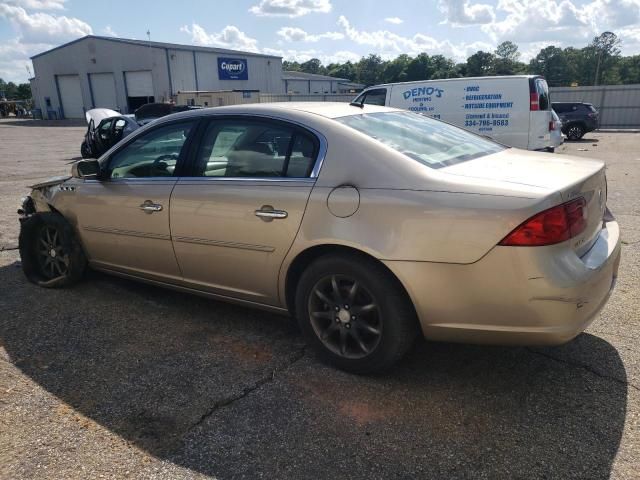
(150, 57)
(595, 79)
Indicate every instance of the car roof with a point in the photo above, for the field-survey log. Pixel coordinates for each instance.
(324, 109)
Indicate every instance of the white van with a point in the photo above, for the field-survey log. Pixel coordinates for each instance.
(513, 110)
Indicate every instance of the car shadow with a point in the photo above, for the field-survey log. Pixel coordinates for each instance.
(583, 140)
(228, 391)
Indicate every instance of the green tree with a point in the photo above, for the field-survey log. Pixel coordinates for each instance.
(506, 59)
(607, 52)
(419, 68)
(396, 69)
(312, 66)
(480, 64)
(551, 62)
(342, 70)
(369, 69)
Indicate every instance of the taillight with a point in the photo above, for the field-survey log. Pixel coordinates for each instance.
(552, 226)
(534, 101)
(552, 126)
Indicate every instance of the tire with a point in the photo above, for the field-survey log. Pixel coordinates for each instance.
(85, 151)
(50, 252)
(375, 338)
(575, 132)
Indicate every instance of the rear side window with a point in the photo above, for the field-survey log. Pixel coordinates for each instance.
(254, 148)
(562, 107)
(377, 96)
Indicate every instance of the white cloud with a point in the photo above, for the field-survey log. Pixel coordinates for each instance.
(301, 56)
(389, 44)
(108, 31)
(294, 34)
(229, 37)
(43, 28)
(38, 4)
(290, 8)
(462, 12)
(393, 20)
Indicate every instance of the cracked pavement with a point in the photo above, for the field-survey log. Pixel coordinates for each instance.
(115, 379)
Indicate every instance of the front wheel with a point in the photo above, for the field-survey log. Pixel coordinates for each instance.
(575, 132)
(85, 151)
(355, 314)
(50, 253)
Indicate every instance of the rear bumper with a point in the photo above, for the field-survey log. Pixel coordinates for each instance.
(514, 296)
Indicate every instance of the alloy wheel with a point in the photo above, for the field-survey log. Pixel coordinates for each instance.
(575, 133)
(345, 316)
(53, 260)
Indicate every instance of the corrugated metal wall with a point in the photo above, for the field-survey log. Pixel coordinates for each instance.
(619, 105)
(268, 97)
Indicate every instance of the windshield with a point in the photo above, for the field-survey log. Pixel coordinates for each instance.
(431, 142)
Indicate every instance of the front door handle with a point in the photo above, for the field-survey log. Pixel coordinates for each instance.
(149, 207)
(268, 213)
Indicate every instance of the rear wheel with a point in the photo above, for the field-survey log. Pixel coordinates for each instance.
(575, 132)
(50, 253)
(355, 314)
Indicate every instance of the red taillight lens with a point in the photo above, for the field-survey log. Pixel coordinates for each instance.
(534, 103)
(552, 126)
(552, 226)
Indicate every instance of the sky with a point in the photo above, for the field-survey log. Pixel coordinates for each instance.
(331, 30)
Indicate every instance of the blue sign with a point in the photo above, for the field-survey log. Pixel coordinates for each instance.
(232, 69)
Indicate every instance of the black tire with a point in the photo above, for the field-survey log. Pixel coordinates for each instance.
(575, 132)
(364, 350)
(50, 252)
(85, 151)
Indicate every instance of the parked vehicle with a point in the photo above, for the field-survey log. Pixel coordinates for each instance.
(555, 131)
(369, 224)
(513, 110)
(105, 128)
(577, 118)
(152, 111)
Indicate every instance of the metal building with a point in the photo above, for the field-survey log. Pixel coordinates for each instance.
(123, 74)
(300, 83)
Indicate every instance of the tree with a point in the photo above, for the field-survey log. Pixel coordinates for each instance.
(419, 68)
(342, 70)
(312, 66)
(480, 64)
(551, 62)
(369, 69)
(506, 60)
(607, 51)
(396, 69)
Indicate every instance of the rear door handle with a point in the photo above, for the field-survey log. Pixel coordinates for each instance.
(268, 213)
(149, 207)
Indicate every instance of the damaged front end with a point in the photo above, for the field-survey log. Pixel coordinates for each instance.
(42, 197)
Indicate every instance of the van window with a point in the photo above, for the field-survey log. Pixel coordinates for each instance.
(543, 94)
(430, 142)
(376, 96)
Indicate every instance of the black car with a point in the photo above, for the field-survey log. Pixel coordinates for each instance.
(150, 111)
(577, 118)
(106, 128)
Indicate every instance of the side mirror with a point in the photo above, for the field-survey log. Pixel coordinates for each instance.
(88, 169)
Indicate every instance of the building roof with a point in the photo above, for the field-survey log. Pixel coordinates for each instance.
(173, 46)
(290, 75)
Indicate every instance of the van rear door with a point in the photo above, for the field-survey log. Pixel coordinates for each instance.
(540, 117)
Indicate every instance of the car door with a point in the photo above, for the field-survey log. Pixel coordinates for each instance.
(123, 218)
(234, 219)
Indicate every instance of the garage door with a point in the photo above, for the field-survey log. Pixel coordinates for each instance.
(71, 96)
(103, 87)
(139, 84)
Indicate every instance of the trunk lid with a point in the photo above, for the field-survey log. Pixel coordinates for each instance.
(571, 177)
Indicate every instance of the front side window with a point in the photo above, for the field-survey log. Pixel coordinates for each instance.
(253, 148)
(431, 142)
(154, 154)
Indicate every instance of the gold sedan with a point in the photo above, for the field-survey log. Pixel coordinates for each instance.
(368, 224)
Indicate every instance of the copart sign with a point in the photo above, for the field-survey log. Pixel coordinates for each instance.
(232, 69)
